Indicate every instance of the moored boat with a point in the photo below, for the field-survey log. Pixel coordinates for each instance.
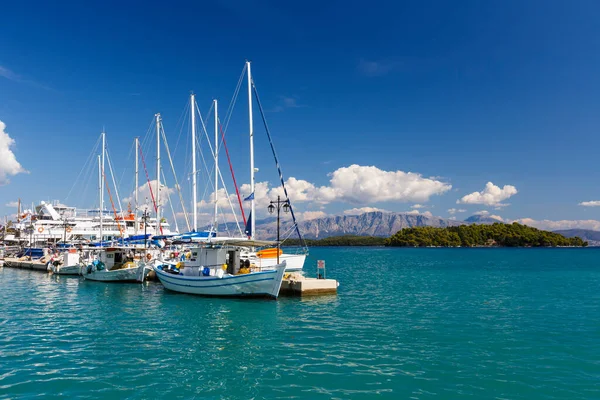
(216, 271)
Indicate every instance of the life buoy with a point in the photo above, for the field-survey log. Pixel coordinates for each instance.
(41, 229)
(68, 229)
(148, 256)
(172, 255)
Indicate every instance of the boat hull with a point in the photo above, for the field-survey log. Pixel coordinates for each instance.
(66, 269)
(293, 262)
(256, 284)
(135, 274)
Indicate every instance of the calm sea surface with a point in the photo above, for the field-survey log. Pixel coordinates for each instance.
(407, 323)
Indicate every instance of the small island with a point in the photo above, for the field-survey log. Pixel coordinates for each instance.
(494, 235)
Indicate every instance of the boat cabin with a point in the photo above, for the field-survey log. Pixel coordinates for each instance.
(209, 260)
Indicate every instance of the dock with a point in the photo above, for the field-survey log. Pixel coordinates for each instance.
(299, 285)
(25, 264)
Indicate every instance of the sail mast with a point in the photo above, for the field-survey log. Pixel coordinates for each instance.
(157, 173)
(216, 162)
(100, 194)
(194, 189)
(102, 185)
(137, 152)
(251, 131)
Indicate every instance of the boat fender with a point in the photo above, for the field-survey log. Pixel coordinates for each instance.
(219, 274)
(206, 271)
(172, 255)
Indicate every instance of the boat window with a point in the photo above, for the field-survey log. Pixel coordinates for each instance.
(118, 257)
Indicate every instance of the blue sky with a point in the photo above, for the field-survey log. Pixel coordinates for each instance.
(466, 92)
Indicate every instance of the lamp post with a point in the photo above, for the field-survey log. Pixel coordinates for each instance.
(285, 204)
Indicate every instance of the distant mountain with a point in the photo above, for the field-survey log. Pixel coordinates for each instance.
(482, 219)
(592, 237)
(369, 224)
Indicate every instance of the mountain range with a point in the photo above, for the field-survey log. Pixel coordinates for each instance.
(376, 223)
(368, 224)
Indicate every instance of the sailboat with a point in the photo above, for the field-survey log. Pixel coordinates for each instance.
(262, 259)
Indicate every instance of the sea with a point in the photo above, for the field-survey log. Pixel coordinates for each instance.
(406, 324)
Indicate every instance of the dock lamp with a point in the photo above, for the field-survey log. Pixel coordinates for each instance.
(278, 205)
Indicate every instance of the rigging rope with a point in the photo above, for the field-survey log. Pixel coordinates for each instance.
(187, 221)
(237, 191)
(150, 187)
(262, 114)
(113, 205)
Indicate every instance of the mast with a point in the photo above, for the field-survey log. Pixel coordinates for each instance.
(251, 131)
(137, 152)
(157, 173)
(102, 185)
(216, 162)
(194, 189)
(100, 193)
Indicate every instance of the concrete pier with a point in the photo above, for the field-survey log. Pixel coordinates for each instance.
(298, 285)
(24, 264)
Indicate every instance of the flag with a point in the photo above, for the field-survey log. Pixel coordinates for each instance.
(251, 197)
(248, 229)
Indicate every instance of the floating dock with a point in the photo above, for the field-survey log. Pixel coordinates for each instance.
(298, 285)
(25, 264)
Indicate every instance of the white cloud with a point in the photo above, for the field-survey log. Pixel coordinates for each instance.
(417, 212)
(594, 203)
(482, 212)
(9, 166)
(499, 218)
(452, 218)
(453, 211)
(145, 197)
(354, 184)
(308, 215)
(363, 210)
(492, 195)
(417, 206)
(363, 184)
(562, 224)
(12, 204)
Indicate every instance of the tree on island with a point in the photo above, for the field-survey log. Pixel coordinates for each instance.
(498, 234)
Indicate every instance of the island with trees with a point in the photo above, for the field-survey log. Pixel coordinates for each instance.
(346, 240)
(498, 234)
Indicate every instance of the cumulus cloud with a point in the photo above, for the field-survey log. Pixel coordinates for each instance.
(363, 184)
(499, 218)
(491, 195)
(417, 206)
(308, 215)
(593, 203)
(561, 224)
(145, 197)
(453, 211)
(417, 212)
(354, 184)
(363, 210)
(482, 212)
(9, 166)
(12, 204)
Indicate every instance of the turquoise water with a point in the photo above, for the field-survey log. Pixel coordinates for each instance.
(407, 323)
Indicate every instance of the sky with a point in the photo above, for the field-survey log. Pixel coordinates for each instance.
(449, 108)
